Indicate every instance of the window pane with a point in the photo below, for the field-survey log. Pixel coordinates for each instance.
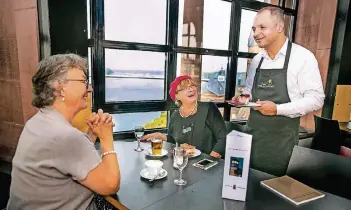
(211, 82)
(246, 41)
(288, 21)
(239, 114)
(90, 72)
(90, 65)
(204, 23)
(290, 4)
(88, 19)
(149, 120)
(221, 110)
(136, 20)
(134, 75)
(243, 66)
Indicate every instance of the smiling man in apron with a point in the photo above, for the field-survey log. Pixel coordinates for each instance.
(284, 78)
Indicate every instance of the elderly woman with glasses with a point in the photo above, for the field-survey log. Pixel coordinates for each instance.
(56, 166)
(199, 124)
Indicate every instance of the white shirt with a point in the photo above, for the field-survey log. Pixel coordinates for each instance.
(304, 81)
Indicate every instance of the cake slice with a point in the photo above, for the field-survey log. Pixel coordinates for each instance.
(244, 99)
(190, 150)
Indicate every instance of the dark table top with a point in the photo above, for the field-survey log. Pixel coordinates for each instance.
(203, 190)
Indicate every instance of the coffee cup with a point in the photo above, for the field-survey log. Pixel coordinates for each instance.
(153, 167)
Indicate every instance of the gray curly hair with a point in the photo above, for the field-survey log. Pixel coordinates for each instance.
(50, 70)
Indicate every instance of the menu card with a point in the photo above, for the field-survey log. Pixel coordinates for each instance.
(236, 166)
(292, 190)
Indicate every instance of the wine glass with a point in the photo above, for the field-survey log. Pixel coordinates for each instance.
(181, 160)
(139, 133)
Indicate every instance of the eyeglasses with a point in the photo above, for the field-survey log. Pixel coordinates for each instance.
(85, 81)
(187, 88)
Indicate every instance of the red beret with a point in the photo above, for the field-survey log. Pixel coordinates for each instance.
(175, 83)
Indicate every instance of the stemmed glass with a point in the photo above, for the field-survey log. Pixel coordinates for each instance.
(181, 160)
(139, 133)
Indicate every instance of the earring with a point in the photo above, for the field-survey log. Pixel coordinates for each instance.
(63, 99)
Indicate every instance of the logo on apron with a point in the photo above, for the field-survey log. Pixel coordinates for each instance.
(268, 84)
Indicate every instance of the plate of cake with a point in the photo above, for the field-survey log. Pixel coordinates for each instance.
(190, 150)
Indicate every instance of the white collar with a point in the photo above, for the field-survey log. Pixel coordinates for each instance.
(282, 51)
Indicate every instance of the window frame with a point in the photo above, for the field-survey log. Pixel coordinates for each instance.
(171, 49)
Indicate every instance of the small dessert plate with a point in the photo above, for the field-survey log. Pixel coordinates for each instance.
(251, 104)
(197, 153)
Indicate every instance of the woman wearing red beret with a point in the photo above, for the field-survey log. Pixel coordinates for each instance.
(196, 123)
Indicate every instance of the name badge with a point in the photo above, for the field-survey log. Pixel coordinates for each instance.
(186, 130)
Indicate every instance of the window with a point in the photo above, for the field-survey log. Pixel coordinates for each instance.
(208, 72)
(237, 114)
(88, 19)
(140, 46)
(240, 114)
(89, 65)
(134, 75)
(136, 20)
(290, 4)
(221, 110)
(242, 71)
(246, 40)
(149, 120)
(288, 22)
(202, 25)
(91, 96)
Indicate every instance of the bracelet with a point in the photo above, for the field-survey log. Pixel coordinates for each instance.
(107, 153)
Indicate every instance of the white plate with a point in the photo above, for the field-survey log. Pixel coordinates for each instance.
(197, 153)
(147, 175)
(148, 152)
(251, 104)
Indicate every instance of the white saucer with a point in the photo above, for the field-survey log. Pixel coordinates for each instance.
(148, 152)
(146, 175)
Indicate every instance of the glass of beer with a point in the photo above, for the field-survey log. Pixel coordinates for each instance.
(156, 146)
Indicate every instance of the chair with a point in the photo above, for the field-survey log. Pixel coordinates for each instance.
(323, 171)
(327, 137)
